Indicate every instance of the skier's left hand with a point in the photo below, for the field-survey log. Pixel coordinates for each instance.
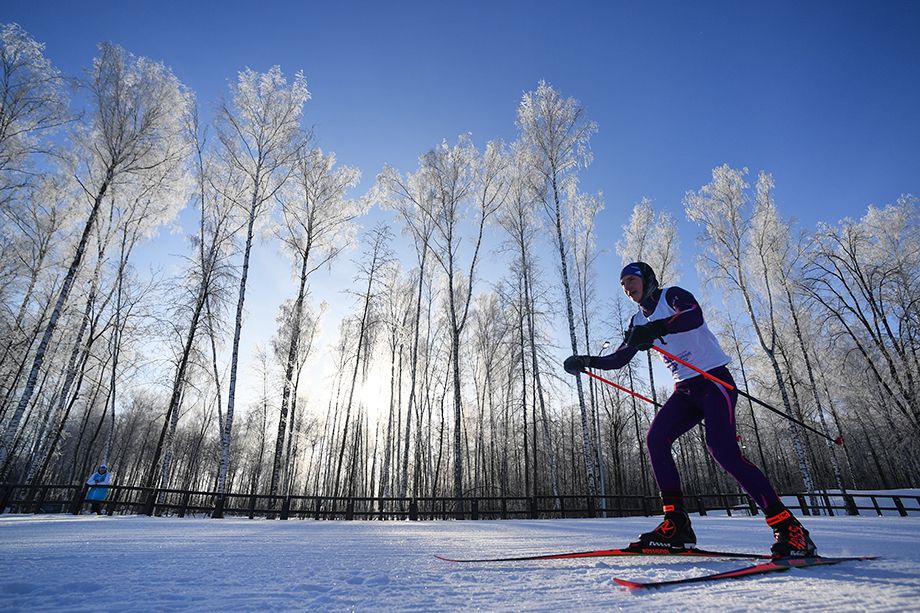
(575, 364)
(643, 337)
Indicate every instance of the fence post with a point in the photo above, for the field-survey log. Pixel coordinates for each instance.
(286, 507)
(700, 506)
(6, 493)
(592, 507)
(726, 504)
(900, 505)
(317, 508)
(183, 509)
(113, 500)
(151, 503)
(252, 505)
(218, 507)
(533, 507)
(78, 499)
(878, 509)
(350, 509)
(413, 510)
(803, 505)
(850, 504)
(752, 506)
(504, 508)
(37, 503)
(474, 509)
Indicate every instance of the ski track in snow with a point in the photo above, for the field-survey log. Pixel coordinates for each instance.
(88, 563)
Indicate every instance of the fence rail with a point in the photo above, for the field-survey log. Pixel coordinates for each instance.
(126, 499)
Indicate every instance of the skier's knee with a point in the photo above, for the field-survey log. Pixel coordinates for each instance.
(726, 458)
(657, 440)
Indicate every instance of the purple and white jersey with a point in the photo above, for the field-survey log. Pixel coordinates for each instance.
(697, 346)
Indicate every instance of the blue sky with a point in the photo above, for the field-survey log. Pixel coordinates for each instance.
(822, 94)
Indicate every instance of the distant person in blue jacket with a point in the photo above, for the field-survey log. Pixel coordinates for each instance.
(97, 495)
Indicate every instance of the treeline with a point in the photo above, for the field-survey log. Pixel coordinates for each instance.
(100, 362)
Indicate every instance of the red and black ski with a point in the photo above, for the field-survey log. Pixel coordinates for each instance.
(778, 565)
(603, 553)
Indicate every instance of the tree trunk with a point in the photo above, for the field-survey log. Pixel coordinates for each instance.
(227, 432)
(360, 352)
(293, 347)
(587, 450)
(413, 370)
(814, 388)
(13, 425)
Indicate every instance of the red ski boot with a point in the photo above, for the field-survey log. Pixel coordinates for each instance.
(791, 538)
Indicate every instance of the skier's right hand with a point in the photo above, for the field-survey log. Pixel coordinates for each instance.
(575, 364)
(643, 337)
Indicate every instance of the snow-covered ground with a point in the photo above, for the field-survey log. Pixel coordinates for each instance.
(88, 563)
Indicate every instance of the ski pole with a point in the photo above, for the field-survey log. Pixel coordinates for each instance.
(620, 387)
(836, 441)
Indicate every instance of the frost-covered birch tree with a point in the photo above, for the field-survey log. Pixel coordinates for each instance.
(406, 196)
(33, 105)
(453, 183)
(865, 276)
(556, 131)
(260, 137)
(398, 292)
(782, 257)
(463, 183)
(317, 224)
(34, 199)
(581, 237)
(376, 258)
(134, 129)
(738, 254)
(519, 219)
(205, 279)
(651, 237)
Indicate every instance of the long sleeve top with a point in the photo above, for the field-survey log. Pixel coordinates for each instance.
(688, 316)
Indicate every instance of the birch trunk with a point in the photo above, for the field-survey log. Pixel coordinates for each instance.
(13, 424)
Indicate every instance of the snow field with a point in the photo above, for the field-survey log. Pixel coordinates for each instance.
(88, 563)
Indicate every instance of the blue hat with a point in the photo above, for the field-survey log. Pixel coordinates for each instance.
(635, 268)
(645, 272)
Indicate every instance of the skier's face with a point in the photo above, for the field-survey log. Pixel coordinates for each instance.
(632, 285)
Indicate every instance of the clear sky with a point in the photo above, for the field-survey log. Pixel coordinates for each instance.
(824, 95)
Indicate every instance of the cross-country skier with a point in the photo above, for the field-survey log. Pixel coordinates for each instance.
(674, 313)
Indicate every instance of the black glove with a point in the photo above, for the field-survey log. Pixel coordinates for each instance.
(575, 364)
(642, 337)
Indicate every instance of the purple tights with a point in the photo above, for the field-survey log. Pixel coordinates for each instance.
(699, 399)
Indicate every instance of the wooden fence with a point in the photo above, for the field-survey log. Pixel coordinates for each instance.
(126, 499)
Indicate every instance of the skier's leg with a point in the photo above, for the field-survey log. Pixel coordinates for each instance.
(718, 405)
(675, 418)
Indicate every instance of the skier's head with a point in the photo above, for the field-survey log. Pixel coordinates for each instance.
(102, 469)
(638, 281)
